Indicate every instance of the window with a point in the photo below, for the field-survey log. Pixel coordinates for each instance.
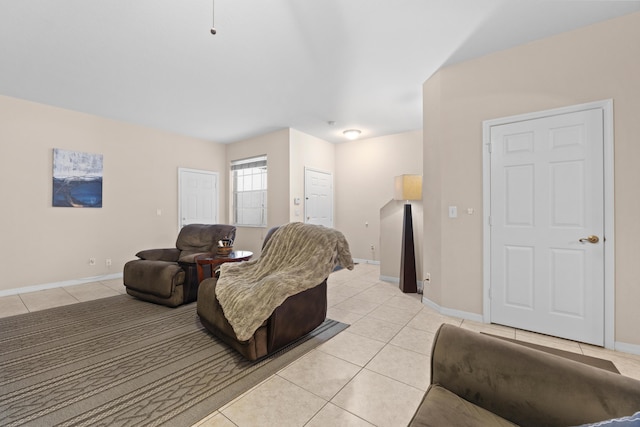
(249, 178)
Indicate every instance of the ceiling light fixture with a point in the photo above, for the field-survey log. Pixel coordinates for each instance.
(351, 133)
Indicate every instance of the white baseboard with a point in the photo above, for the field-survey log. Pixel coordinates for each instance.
(627, 348)
(451, 312)
(72, 282)
(366, 261)
(619, 346)
(396, 281)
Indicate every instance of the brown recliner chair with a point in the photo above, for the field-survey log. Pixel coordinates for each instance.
(169, 276)
(298, 315)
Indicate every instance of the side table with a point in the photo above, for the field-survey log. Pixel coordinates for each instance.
(213, 261)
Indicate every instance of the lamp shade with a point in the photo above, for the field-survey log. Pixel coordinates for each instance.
(408, 187)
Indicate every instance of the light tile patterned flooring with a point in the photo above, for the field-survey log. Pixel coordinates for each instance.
(372, 374)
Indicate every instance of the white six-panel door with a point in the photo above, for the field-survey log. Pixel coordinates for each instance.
(546, 201)
(198, 197)
(318, 195)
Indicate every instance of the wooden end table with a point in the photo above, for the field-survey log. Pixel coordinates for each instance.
(213, 260)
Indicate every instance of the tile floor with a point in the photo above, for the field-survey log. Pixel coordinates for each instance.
(372, 374)
(40, 300)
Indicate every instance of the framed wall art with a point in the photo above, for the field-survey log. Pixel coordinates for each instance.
(77, 179)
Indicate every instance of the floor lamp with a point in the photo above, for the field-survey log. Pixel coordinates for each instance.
(408, 187)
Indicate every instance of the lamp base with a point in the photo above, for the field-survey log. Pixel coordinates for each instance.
(408, 279)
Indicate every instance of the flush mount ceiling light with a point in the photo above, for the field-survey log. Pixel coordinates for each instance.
(351, 133)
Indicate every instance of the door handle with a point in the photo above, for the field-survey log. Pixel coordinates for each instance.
(590, 239)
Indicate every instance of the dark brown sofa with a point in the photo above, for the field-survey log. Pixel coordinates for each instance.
(169, 276)
(298, 315)
(479, 380)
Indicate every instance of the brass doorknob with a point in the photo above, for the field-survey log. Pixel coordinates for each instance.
(590, 239)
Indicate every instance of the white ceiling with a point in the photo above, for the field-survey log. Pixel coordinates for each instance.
(273, 63)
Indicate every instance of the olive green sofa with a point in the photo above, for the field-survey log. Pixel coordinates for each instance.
(480, 380)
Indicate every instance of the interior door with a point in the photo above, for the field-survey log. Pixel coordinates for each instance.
(198, 197)
(547, 225)
(318, 195)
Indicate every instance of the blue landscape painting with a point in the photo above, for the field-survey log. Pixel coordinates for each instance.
(77, 179)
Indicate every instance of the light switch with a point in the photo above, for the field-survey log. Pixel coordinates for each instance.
(453, 212)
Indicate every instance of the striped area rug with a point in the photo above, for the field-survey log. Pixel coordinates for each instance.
(123, 362)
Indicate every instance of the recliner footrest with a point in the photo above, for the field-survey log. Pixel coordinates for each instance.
(158, 278)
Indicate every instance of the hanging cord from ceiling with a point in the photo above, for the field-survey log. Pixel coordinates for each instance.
(213, 17)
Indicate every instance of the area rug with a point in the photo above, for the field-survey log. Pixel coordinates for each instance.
(119, 361)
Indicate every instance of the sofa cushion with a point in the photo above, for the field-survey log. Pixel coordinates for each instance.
(188, 257)
(158, 278)
(203, 237)
(170, 254)
(440, 407)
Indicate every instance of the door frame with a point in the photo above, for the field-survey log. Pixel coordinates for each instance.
(216, 193)
(609, 224)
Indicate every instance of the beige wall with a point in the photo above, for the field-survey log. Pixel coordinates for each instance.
(288, 152)
(43, 244)
(593, 63)
(276, 146)
(307, 152)
(53, 245)
(433, 214)
(364, 194)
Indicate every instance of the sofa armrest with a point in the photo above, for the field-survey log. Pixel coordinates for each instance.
(527, 386)
(297, 315)
(190, 257)
(169, 255)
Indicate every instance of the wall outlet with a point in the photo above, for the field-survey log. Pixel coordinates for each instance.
(108, 262)
(92, 261)
(373, 248)
(427, 277)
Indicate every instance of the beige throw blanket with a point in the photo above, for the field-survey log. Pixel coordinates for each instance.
(297, 257)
